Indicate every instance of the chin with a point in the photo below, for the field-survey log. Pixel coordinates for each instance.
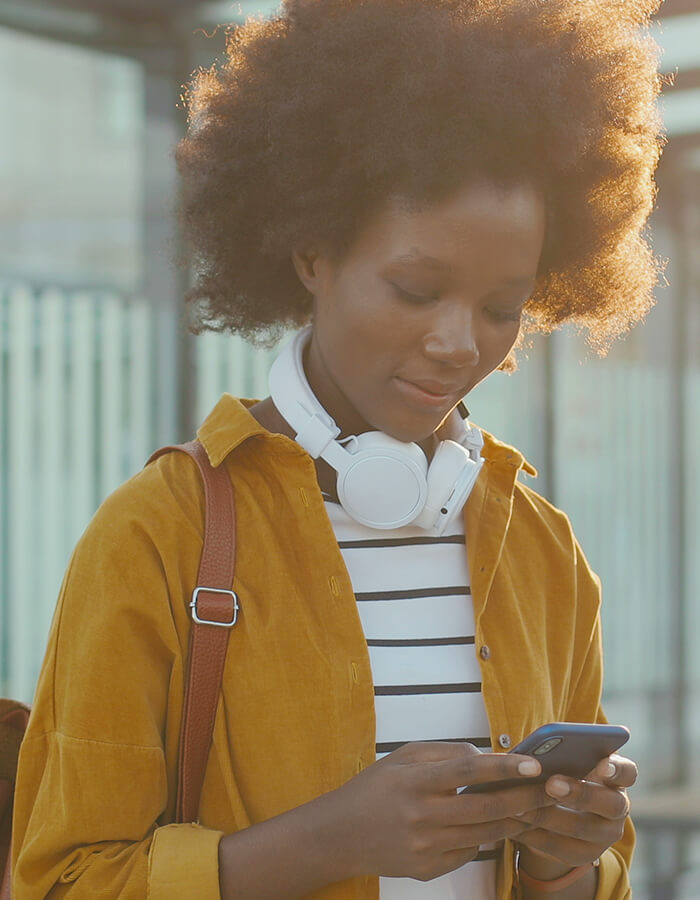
(411, 433)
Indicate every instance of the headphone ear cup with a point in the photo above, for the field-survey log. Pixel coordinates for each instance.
(382, 482)
(444, 475)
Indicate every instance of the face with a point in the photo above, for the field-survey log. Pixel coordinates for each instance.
(425, 304)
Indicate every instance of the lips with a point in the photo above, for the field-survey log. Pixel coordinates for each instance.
(436, 388)
(427, 393)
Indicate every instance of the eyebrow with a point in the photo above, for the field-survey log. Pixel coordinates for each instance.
(432, 262)
(415, 256)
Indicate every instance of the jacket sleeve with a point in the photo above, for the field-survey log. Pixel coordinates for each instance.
(97, 769)
(585, 706)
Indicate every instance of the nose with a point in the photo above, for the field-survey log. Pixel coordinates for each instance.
(451, 339)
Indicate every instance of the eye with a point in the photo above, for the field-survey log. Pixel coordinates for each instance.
(506, 307)
(506, 315)
(412, 298)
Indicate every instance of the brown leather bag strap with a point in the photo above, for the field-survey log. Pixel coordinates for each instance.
(214, 608)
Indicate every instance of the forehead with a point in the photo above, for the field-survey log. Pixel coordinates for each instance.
(482, 222)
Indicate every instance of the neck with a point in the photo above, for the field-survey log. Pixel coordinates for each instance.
(267, 414)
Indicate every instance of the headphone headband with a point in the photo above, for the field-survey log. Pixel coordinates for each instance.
(296, 402)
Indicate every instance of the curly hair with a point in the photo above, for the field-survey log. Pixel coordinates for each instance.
(316, 116)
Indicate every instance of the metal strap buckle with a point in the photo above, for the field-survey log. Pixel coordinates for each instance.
(200, 621)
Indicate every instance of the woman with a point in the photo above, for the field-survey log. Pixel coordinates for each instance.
(423, 183)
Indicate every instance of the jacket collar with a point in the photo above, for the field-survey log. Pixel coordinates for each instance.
(227, 426)
(497, 452)
(230, 424)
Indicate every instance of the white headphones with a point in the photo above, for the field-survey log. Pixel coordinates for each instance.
(382, 482)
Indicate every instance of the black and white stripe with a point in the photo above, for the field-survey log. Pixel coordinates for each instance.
(414, 601)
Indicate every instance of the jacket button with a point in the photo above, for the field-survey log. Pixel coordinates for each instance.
(504, 741)
(485, 651)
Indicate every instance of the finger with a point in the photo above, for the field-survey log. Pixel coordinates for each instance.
(570, 851)
(483, 833)
(432, 751)
(586, 827)
(587, 796)
(494, 806)
(615, 771)
(480, 768)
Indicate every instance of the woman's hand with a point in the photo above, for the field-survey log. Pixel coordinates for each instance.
(588, 817)
(402, 816)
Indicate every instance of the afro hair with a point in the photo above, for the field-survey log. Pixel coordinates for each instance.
(319, 114)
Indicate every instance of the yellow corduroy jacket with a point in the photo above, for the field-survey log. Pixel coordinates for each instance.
(98, 768)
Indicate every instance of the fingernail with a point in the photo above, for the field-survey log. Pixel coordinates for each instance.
(558, 787)
(609, 770)
(529, 767)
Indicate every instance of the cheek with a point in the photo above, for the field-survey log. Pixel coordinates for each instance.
(501, 340)
(368, 329)
(495, 344)
(354, 350)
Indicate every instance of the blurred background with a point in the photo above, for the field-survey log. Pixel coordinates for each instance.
(97, 367)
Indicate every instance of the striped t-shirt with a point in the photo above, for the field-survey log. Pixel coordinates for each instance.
(414, 600)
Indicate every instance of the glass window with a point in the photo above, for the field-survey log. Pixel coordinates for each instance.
(77, 369)
(70, 164)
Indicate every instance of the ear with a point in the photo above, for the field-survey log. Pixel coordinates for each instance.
(307, 265)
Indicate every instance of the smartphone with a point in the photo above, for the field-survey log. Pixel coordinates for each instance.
(563, 748)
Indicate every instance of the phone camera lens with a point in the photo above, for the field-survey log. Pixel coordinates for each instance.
(547, 746)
